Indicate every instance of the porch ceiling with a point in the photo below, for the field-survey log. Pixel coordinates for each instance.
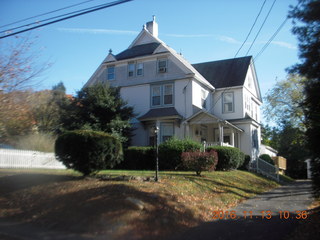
(203, 117)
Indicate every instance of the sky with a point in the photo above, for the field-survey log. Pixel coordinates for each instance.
(202, 30)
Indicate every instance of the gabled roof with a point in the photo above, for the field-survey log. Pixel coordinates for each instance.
(225, 73)
(152, 114)
(138, 51)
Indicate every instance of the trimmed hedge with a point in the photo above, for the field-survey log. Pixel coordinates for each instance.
(245, 165)
(267, 158)
(229, 158)
(138, 158)
(170, 153)
(88, 151)
(199, 161)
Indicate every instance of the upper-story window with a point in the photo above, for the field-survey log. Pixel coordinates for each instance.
(161, 95)
(131, 69)
(162, 65)
(228, 102)
(110, 72)
(203, 99)
(139, 69)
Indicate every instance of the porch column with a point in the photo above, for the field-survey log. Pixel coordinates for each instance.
(220, 134)
(187, 133)
(239, 139)
(232, 138)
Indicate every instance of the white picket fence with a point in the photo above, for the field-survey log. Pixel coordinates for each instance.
(12, 158)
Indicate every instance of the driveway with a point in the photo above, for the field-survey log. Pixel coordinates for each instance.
(271, 215)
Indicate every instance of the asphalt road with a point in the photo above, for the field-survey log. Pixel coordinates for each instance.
(271, 215)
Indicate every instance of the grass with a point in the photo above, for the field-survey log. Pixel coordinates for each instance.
(65, 201)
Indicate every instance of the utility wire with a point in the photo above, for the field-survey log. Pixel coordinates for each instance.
(261, 27)
(51, 18)
(111, 4)
(271, 38)
(251, 29)
(43, 14)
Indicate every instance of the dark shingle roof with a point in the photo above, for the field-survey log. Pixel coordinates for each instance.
(138, 51)
(225, 73)
(170, 112)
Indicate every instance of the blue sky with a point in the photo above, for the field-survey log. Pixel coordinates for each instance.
(203, 30)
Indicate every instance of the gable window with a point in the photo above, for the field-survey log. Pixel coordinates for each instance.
(156, 95)
(166, 130)
(161, 95)
(203, 99)
(162, 65)
(131, 69)
(228, 103)
(139, 69)
(110, 73)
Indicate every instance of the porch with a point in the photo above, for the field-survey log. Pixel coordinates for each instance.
(206, 128)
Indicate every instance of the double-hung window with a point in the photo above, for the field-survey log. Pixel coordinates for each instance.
(110, 73)
(131, 69)
(162, 95)
(228, 103)
(167, 130)
(203, 99)
(162, 65)
(139, 69)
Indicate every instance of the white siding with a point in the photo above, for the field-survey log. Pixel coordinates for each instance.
(196, 96)
(183, 101)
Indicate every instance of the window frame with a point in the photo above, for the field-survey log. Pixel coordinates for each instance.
(152, 95)
(137, 68)
(131, 70)
(113, 74)
(203, 99)
(224, 110)
(162, 95)
(162, 124)
(166, 65)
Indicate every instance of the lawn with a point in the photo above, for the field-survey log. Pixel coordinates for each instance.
(62, 200)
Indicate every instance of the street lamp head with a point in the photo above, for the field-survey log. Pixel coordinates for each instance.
(156, 129)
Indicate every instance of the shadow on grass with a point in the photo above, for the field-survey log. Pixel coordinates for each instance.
(105, 211)
(16, 182)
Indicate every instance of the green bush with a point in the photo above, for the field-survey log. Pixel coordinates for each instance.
(199, 161)
(171, 150)
(88, 151)
(267, 158)
(245, 165)
(229, 158)
(138, 158)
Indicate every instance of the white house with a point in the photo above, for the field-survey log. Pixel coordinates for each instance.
(217, 102)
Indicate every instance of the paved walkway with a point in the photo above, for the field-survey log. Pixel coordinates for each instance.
(271, 215)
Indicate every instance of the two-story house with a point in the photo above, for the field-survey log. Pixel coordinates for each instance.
(217, 102)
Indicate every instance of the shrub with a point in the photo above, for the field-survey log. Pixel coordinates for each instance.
(43, 142)
(229, 158)
(267, 158)
(171, 150)
(199, 161)
(88, 151)
(138, 158)
(245, 165)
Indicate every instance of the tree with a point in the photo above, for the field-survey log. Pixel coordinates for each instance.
(100, 108)
(284, 101)
(306, 20)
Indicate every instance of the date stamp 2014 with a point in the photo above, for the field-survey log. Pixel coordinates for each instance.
(268, 215)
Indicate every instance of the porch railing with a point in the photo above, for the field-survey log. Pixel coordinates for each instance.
(265, 168)
(210, 144)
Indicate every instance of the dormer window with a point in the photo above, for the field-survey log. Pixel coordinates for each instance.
(110, 73)
(162, 65)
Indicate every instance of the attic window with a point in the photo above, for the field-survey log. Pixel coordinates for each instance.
(162, 65)
(110, 73)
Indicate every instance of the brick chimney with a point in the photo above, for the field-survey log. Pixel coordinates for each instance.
(152, 27)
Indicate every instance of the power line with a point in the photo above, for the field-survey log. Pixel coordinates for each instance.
(261, 27)
(251, 29)
(271, 38)
(51, 18)
(43, 14)
(72, 16)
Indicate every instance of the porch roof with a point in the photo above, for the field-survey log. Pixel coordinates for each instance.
(157, 113)
(207, 119)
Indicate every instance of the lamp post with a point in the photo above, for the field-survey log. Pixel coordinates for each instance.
(156, 131)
